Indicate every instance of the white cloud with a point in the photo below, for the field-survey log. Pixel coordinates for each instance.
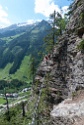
(4, 17)
(46, 7)
(64, 10)
(31, 21)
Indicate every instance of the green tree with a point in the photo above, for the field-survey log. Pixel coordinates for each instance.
(58, 26)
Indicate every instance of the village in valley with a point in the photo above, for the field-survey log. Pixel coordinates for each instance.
(14, 98)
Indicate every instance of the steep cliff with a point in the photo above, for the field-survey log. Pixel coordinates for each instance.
(62, 73)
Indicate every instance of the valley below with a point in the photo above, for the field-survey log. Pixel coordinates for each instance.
(42, 71)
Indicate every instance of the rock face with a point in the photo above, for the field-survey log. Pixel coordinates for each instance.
(65, 67)
(77, 16)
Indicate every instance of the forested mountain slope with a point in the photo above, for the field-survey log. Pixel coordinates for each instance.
(17, 45)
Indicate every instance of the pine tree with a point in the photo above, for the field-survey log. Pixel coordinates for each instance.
(58, 26)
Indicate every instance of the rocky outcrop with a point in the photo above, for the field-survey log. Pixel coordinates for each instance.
(72, 68)
(65, 70)
(77, 16)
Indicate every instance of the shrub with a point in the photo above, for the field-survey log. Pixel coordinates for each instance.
(81, 45)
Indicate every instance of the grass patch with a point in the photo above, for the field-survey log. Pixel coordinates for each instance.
(81, 45)
(8, 39)
(25, 93)
(23, 73)
(2, 100)
(4, 73)
(35, 31)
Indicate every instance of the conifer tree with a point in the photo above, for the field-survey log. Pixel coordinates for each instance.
(58, 24)
(7, 105)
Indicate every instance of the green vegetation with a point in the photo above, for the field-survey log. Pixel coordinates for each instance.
(19, 60)
(2, 100)
(81, 45)
(16, 117)
(5, 72)
(58, 27)
(58, 23)
(74, 94)
(82, 17)
(78, 4)
(15, 50)
(24, 93)
(8, 39)
(13, 86)
(23, 73)
(44, 103)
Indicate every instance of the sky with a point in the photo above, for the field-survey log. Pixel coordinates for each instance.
(18, 11)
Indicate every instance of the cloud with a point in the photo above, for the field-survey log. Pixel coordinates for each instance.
(4, 17)
(64, 10)
(46, 7)
(32, 21)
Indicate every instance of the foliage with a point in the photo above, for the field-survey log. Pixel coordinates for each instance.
(48, 42)
(78, 4)
(58, 27)
(14, 117)
(81, 45)
(44, 108)
(12, 86)
(17, 61)
(59, 23)
(2, 100)
(32, 67)
(82, 17)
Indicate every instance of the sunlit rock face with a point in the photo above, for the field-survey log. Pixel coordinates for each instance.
(66, 71)
(77, 18)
